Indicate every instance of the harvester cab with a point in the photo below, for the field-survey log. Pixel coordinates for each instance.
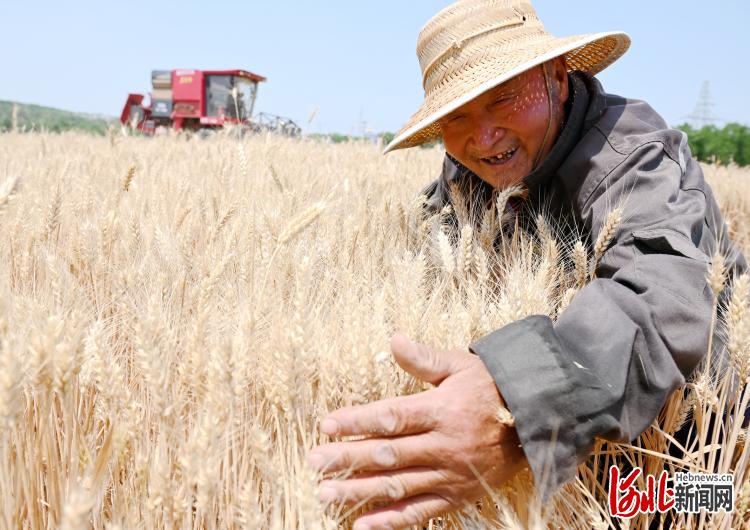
(198, 99)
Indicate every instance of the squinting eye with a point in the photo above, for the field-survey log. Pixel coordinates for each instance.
(454, 120)
(502, 100)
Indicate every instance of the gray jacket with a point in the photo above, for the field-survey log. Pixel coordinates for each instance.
(631, 336)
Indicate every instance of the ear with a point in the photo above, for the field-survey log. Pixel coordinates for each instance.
(561, 78)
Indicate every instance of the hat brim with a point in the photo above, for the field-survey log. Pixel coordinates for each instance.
(575, 49)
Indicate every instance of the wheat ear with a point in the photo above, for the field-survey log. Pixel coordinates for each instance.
(302, 221)
(466, 251)
(504, 216)
(717, 274)
(447, 259)
(605, 237)
(738, 328)
(7, 189)
(129, 176)
(52, 219)
(581, 263)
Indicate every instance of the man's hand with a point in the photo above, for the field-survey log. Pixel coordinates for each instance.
(424, 450)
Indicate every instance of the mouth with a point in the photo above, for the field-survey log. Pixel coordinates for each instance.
(500, 158)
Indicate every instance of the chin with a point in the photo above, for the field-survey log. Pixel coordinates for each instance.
(502, 181)
(504, 177)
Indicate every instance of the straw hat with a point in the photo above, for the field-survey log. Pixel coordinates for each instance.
(475, 45)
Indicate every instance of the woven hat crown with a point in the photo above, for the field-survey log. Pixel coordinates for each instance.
(460, 31)
(474, 45)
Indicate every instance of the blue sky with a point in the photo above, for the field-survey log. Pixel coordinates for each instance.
(351, 60)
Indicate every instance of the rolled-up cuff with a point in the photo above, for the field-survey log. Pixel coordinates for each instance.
(542, 385)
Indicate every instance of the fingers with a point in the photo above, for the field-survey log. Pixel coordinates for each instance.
(389, 417)
(411, 511)
(383, 486)
(375, 454)
(428, 364)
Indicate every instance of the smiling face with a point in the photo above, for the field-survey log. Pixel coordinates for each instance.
(499, 134)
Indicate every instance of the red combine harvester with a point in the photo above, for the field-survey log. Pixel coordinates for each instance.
(202, 100)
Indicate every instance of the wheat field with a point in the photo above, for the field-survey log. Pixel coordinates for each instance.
(176, 315)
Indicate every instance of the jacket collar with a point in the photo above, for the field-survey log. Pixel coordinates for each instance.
(576, 113)
(597, 101)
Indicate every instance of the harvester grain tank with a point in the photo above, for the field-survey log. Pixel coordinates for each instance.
(202, 99)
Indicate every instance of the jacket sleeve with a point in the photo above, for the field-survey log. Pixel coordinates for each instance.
(628, 338)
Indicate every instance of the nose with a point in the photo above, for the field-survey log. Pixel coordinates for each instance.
(486, 133)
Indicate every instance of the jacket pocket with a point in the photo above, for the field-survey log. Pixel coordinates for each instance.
(666, 241)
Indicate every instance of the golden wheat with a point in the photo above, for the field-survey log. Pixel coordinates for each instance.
(167, 348)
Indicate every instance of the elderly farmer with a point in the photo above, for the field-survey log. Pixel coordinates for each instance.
(516, 106)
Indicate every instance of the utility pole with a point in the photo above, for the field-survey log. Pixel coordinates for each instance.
(703, 113)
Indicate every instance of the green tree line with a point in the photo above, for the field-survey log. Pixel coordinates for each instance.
(726, 145)
(730, 144)
(36, 118)
(384, 137)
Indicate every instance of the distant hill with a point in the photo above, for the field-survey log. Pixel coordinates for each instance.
(37, 118)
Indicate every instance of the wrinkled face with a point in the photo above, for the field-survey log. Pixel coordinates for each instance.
(499, 134)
